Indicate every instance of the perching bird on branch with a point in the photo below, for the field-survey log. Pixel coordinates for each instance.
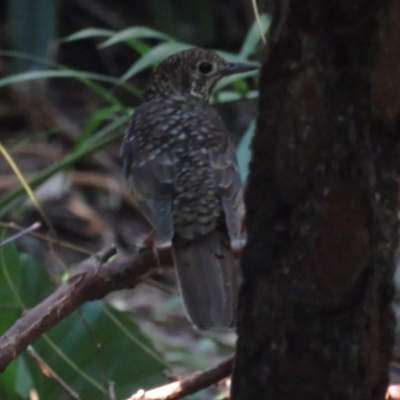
(181, 166)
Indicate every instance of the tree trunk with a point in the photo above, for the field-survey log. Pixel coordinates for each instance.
(315, 318)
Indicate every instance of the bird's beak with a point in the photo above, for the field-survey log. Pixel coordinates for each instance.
(236, 68)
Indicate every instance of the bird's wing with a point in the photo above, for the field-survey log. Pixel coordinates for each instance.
(229, 188)
(150, 175)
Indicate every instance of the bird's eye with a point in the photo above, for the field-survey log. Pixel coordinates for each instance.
(205, 67)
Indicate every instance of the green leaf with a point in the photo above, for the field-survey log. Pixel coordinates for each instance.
(253, 37)
(233, 57)
(15, 381)
(88, 33)
(136, 32)
(23, 381)
(9, 273)
(243, 152)
(35, 283)
(105, 135)
(154, 56)
(241, 86)
(139, 46)
(46, 74)
(227, 96)
(100, 342)
(230, 57)
(94, 122)
(233, 78)
(100, 349)
(84, 79)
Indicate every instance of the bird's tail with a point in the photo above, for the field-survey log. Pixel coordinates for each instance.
(208, 280)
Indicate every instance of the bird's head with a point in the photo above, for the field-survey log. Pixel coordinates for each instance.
(193, 71)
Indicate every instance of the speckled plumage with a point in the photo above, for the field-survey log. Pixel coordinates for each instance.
(181, 166)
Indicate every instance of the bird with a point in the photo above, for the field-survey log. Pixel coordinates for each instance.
(180, 164)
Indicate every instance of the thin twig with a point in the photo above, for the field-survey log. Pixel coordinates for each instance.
(188, 385)
(17, 171)
(21, 233)
(49, 372)
(111, 390)
(47, 239)
(258, 19)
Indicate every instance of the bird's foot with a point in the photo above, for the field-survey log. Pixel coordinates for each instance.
(149, 243)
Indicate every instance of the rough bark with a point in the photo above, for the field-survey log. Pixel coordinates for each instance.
(315, 320)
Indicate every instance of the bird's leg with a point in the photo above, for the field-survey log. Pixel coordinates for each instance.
(149, 242)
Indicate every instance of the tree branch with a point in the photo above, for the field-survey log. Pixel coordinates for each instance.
(93, 279)
(188, 385)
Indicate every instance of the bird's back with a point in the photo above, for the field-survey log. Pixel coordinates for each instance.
(188, 150)
(181, 166)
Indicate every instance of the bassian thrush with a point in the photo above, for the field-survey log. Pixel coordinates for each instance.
(181, 166)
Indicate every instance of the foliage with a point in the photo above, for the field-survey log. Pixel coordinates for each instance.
(89, 348)
(82, 348)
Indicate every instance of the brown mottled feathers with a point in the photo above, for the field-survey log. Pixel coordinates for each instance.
(181, 166)
(184, 164)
